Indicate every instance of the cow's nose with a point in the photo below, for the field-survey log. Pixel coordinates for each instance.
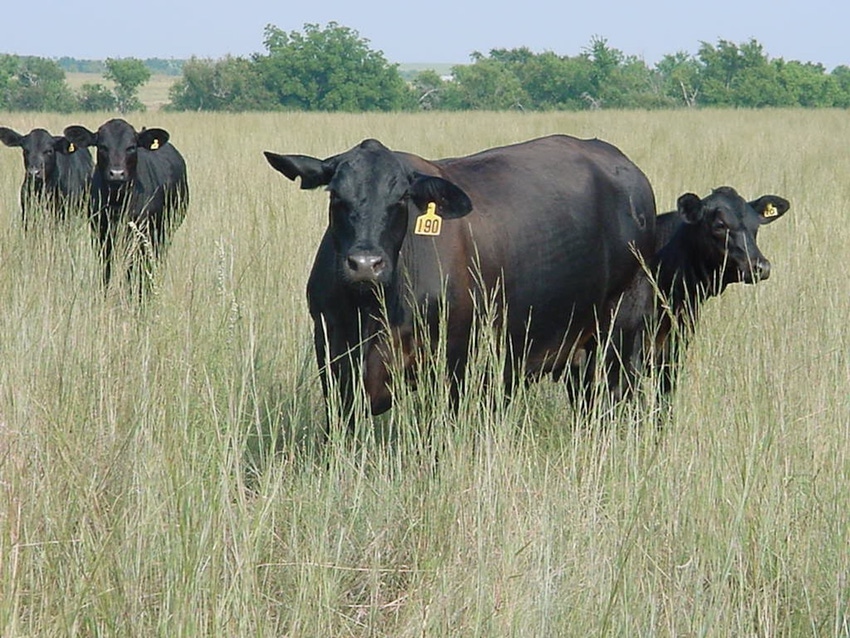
(364, 267)
(762, 269)
(757, 271)
(116, 174)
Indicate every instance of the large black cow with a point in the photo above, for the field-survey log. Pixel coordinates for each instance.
(56, 172)
(548, 225)
(700, 248)
(139, 180)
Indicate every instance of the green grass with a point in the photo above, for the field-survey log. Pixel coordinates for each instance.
(140, 494)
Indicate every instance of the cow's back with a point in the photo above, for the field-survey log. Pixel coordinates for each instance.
(553, 225)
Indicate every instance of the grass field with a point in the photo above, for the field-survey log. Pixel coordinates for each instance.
(140, 493)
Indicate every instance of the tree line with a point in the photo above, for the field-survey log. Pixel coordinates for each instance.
(332, 68)
(38, 84)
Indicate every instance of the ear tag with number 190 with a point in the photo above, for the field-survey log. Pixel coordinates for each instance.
(429, 223)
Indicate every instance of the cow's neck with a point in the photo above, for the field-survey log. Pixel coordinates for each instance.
(686, 278)
(377, 309)
(35, 186)
(120, 195)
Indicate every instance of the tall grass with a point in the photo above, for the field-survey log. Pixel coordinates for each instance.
(156, 469)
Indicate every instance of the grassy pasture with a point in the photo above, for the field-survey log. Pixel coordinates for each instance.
(126, 507)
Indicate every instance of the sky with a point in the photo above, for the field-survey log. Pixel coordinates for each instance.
(436, 31)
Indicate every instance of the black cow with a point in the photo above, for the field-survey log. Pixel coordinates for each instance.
(56, 172)
(547, 226)
(700, 248)
(139, 180)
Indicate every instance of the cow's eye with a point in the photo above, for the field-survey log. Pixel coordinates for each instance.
(49, 151)
(131, 149)
(720, 225)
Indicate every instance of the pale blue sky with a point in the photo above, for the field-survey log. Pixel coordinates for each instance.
(429, 31)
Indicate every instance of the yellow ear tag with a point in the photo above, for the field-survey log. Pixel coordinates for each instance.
(769, 211)
(71, 148)
(155, 144)
(429, 223)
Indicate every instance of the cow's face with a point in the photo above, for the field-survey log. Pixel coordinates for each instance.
(728, 226)
(372, 193)
(118, 145)
(40, 149)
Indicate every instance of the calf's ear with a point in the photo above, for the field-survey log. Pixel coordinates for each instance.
(690, 208)
(10, 137)
(80, 135)
(62, 145)
(770, 207)
(452, 202)
(312, 171)
(152, 138)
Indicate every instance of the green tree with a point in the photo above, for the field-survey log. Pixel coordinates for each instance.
(128, 74)
(96, 97)
(428, 88)
(549, 80)
(605, 61)
(679, 76)
(487, 84)
(735, 76)
(8, 67)
(330, 69)
(35, 84)
(806, 84)
(841, 79)
(229, 84)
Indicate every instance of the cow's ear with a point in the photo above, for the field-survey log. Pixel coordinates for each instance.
(10, 137)
(312, 171)
(452, 202)
(690, 208)
(63, 145)
(80, 136)
(152, 138)
(770, 207)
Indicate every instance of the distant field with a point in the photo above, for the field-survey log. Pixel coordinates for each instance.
(141, 493)
(153, 94)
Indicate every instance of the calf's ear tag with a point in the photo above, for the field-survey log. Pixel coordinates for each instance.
(770, 211)
(429, 223)
(71, 147)
(155, 144)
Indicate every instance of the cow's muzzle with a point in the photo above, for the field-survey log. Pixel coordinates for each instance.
(364, 267)
(116, 175)
(758, 271)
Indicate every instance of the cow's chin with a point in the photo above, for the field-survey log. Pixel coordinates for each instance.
(367, 287)
(372, 286)
(737, 276)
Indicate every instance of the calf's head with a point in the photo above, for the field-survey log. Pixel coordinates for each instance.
(372, 193)
(117, 145)
(727, 226)
(40, 152)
